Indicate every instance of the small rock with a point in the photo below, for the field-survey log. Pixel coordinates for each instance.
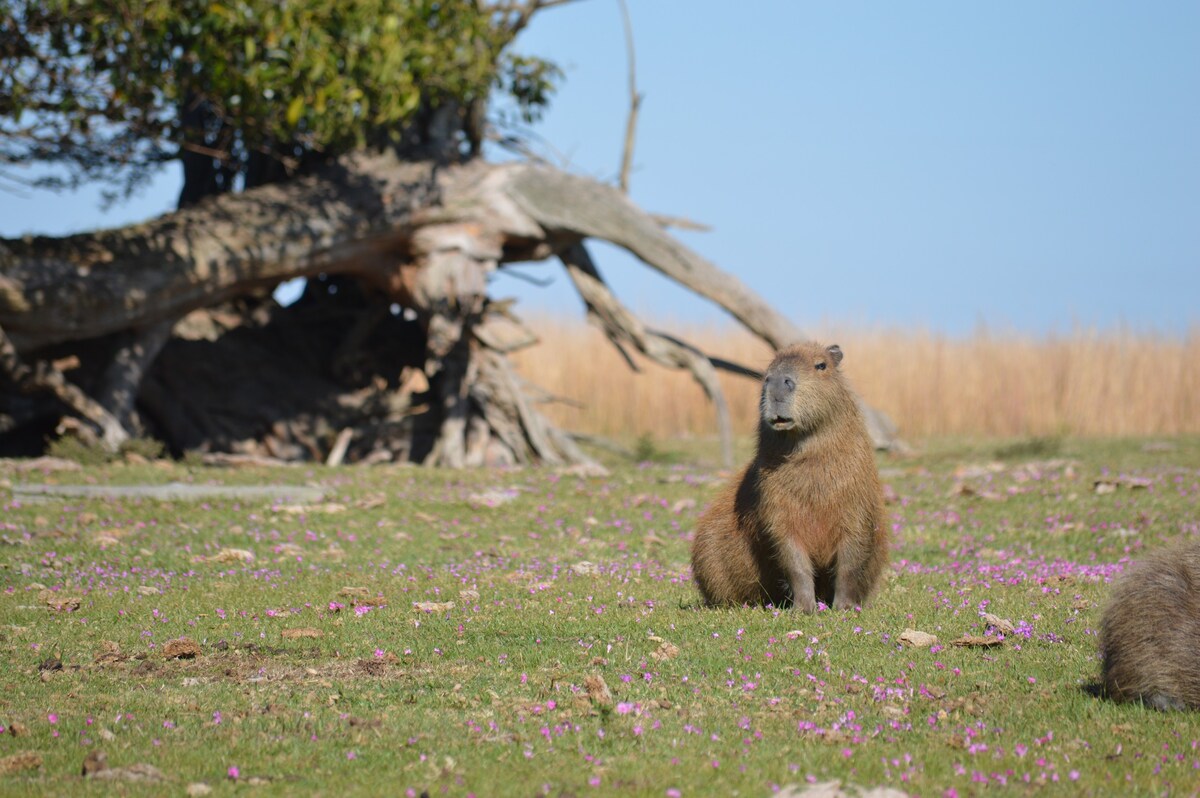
(198, 789)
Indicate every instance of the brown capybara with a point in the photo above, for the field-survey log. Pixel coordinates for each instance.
(1150, 633)
(803, 522)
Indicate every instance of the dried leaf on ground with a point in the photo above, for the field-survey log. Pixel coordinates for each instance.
(140, 771)
(917, 639)
(964, 489)
(585, 568)
(301, 632)
(978, 641)
(232, 555)
(683, 504)
(1002, 625)
(597, 690)
(433, 606)
(59, 602)
(109, 653)
(492, 498)
(834, 789)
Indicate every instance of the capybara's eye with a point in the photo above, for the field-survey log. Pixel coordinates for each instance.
(820, 367)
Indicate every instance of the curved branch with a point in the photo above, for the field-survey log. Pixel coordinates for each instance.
(568, 205)
(621, 326)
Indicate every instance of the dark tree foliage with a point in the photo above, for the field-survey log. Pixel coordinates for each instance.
(245, 92)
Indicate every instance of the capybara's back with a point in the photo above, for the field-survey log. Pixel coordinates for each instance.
(803, 521)
(1150, 633)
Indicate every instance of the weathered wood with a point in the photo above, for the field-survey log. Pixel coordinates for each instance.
(621, 326)
(122, 379)
(45, 377)
(423, 236)
(569, 205)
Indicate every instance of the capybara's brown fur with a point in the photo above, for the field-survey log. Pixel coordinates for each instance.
(803, 522)
(1150, 633)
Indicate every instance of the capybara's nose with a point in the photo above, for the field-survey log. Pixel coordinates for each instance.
(780, 388)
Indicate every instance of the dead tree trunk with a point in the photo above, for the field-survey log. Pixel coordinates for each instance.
(388, 234)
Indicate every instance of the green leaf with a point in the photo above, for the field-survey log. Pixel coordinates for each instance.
(295, 109)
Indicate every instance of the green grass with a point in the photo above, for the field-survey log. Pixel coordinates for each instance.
(490, 696)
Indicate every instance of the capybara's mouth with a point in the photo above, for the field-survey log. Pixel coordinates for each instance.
(781, 423)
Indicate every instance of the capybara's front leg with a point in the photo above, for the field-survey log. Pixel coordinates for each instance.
(858, 566)
(799, 570)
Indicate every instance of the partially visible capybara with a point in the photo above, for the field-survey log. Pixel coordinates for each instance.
(1150, 633)
(803, 522)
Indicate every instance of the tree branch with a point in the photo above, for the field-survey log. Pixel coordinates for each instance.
(635, 102)
(621, 326)
(45, 377)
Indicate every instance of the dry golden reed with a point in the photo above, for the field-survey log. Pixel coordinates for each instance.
(987, 385)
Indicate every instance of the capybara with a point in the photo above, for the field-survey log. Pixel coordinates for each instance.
(1150, 633)
(803, 522)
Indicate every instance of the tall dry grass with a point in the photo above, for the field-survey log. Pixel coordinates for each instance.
(987, 385)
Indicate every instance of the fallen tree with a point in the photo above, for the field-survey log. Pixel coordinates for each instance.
(429, 383)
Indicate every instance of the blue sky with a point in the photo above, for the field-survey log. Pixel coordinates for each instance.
(1028, 166)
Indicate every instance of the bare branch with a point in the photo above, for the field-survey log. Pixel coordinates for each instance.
(523, 12)
(635, 101)
(621, 326)
(679, 222)
(43, 376)
(528, 278)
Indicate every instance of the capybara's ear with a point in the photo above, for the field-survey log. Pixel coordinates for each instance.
(835, 353)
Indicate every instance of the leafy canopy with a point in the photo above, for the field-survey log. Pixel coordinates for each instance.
(110, 89)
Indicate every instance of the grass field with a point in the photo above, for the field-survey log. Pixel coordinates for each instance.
(1117, 383)
(529, 632)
